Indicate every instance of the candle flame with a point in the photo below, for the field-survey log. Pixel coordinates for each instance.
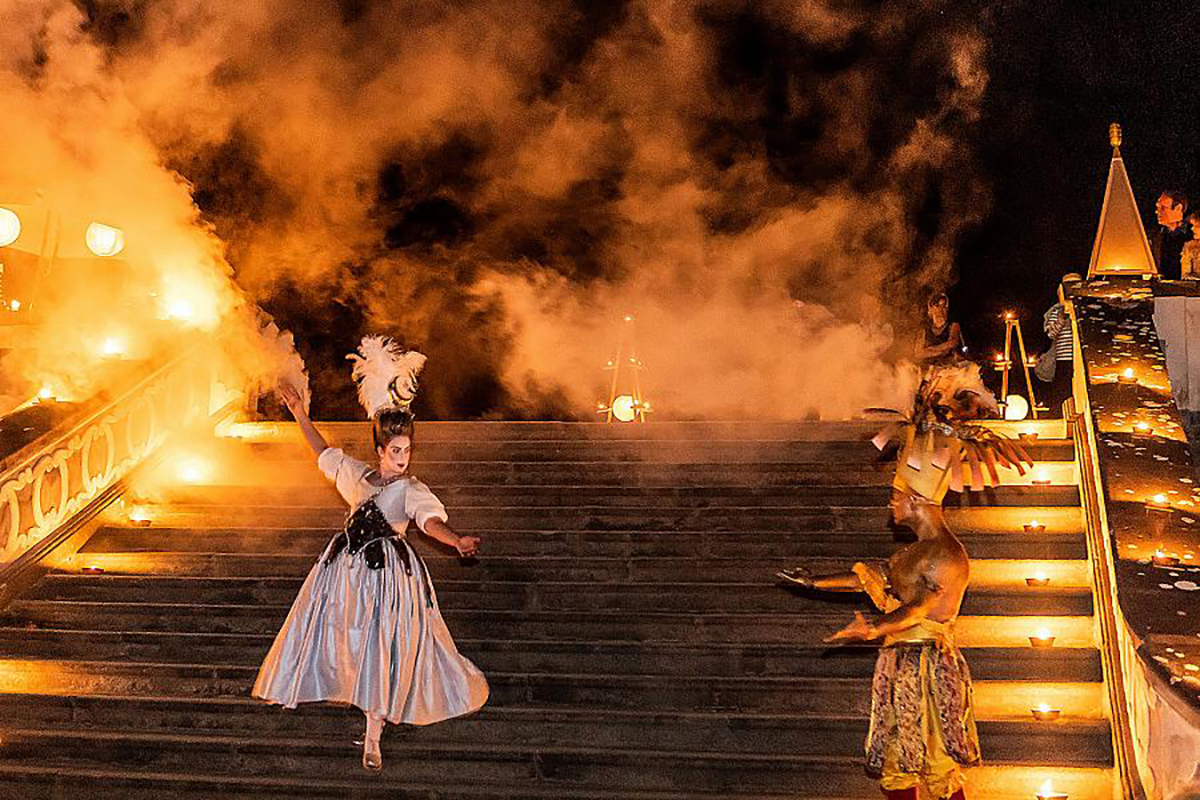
(113, 346)
(1039, 575)
(1043, 707)
(192, 470)
(1160, 499)
(1043, 633)
(1129, 373)
(15, 305)
(45, 392)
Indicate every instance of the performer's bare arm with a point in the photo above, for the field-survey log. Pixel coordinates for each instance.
(938, 350)
(465, 545)
(934, 593)
(291, 399)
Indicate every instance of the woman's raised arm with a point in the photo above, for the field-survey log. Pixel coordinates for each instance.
(291, 399)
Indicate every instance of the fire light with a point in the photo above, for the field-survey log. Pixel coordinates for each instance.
(10, 226)
(1126, 376)
(1161, 559)
(104, 240)
(113, 347)
(192, 470)
(1033, 526)
(1044, 713)
(1143, 429)
(1038, 578)
(179, 309)
(1040, 478)
(15, 305)
(1158, 501)
(92, 569)
(140, 516)
(1043, 638)
(624, 408)
(1047, 792)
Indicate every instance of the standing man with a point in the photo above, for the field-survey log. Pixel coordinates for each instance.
(1173, 231)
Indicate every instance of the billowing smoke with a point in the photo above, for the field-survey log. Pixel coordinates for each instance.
(768, 187)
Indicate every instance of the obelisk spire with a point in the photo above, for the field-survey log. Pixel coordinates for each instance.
(1121, 247)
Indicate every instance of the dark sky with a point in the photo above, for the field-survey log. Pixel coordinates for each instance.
(1060, 73)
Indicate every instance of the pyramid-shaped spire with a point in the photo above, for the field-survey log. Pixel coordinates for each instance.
(1121, 247)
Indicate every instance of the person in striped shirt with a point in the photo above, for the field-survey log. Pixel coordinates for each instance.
(1057, 324)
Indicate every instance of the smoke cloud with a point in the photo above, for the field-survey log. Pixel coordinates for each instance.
(769, 188)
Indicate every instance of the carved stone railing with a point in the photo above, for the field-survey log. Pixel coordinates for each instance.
(1142, 499)
(61, 473)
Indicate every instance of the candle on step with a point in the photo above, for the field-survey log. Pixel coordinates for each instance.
(1043, 638)
(1039, 578)
(1047, 792)
(1033, 526)
(1161, 559)
(1044, 713)
(1127, 377)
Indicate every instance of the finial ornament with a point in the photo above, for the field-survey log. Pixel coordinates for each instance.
(1114, 135)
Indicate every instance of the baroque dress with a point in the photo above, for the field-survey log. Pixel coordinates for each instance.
(365, 628)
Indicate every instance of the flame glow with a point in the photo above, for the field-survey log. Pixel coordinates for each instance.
(10, 226)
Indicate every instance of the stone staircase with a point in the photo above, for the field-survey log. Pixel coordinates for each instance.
(624, 611)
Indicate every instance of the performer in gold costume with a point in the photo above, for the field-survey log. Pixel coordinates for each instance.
(922, 721)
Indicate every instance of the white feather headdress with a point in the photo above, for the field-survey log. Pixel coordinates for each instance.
(385, 373)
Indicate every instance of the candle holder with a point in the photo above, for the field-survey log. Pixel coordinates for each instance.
(1040, 579)
(1044, 713)
(1042, 640)
(1143, 430)
(92, 569)
(1127, 378)
(1161, 559)
(1040, 479)
(1047, 792)
(1035, 527)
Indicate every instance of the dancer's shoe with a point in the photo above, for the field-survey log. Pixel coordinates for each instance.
(372, 759)
(796, 576)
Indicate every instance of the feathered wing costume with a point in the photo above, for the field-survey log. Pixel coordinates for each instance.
(366, 628)
(942, 446)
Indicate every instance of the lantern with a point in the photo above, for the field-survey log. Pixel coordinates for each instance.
(104, 240)
(10, 226)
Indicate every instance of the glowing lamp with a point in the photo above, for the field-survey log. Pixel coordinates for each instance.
(1040, 478)
(1016, 408)
(1043, 638)
(624, 408)
(1033, 526)
(1047, 792)
(92, 569)
(140, 516)
(10, 226)
(104, 240)
(1159, 501)
(1038, 578)
(1044, 713)
(1127, 376)
(15, 305)
(1143, 429)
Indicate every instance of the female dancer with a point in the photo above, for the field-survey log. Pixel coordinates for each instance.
(365, 628)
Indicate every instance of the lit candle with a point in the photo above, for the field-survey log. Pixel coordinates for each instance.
(92, 569)
(192, 470)
(1158, 502)
(1161, 559)
(46, 393)
(1043, 638)
(1126, 376)
(113, 347)
(1033, 526)
(1030, 436)
(1047, 792)
(1039, 578)
(1040, 478)
(1143, 429)
(1045, 713)
(15, 305)
(139, 516)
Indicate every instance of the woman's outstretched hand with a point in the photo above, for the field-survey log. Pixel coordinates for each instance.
(467, 546)
(291, 398)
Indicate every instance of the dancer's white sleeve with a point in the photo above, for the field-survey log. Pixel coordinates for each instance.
(345, 471)
(422, 505)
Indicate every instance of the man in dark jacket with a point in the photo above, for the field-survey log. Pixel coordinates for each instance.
(1173, 232)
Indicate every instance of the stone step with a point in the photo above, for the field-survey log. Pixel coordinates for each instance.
(814, 660)
(796, 696)
(502, 731)
(1013, 782)
(579, 768)
(818, 519)
(794, 545)
(549, 568)
(797, 627)
(550, 596)
(518, 502)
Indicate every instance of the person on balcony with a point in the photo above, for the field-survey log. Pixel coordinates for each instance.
(365, 629)
(1173, 231)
